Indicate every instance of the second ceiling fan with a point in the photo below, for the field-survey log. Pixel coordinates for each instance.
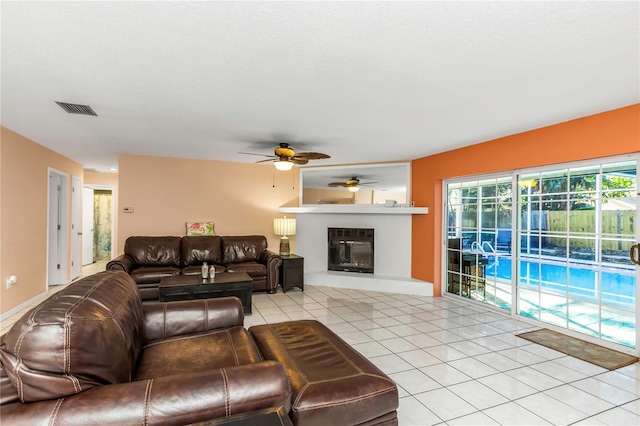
(284, 157)
(353, 184)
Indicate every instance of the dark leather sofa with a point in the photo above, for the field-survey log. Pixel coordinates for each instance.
(148, 259)
(93, 354)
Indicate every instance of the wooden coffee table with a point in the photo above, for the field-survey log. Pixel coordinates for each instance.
(188, 287)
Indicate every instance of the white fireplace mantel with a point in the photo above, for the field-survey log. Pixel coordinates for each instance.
(392, 240)
(354, 209)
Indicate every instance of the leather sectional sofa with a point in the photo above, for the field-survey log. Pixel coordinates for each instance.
(148, 259)
(94, 354)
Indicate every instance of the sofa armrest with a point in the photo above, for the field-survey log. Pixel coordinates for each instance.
(169, 319)
(272, 261)
(124, 262)
(170, 400)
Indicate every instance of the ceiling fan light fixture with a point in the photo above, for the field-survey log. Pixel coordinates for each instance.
(354, 188)
(283, 165)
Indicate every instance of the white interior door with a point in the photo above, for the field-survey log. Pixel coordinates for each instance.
(59, 245)
(54, 228)
(87, 226)
(76, 227)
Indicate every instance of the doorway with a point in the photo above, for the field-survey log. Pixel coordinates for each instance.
(57, 229)
(98, 213)
(76, 227)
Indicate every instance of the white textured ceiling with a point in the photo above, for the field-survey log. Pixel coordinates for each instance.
(360, 81)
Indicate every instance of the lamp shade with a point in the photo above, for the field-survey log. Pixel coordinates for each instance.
(283, 165)
(354, 188)
(284, 226)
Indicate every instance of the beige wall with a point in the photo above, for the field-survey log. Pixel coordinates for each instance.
(167, 192)
(380, 197)
(363, 196)
(95, 178)
(343, 196)
(327, 196)
(23, 214)
(106, 180)
(2, 276)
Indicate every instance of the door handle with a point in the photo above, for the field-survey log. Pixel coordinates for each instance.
(633, 253)
(79, 233)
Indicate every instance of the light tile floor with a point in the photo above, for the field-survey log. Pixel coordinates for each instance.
(457, 364)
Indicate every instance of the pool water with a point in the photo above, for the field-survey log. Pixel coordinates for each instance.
(571, 295)
(616, 285)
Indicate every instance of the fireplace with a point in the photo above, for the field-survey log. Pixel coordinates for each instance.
(350, 250)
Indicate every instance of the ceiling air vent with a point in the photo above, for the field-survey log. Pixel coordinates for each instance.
(77, 109)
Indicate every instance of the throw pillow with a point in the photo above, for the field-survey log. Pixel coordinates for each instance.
(200, 228)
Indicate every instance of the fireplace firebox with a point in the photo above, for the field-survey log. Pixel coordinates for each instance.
(350, 250)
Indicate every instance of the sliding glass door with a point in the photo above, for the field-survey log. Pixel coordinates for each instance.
(479, 240)
(550, 244)
(576, 227)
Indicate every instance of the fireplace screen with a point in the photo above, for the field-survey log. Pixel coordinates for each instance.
(351, 250)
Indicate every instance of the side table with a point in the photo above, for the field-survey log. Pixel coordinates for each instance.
(292, 272)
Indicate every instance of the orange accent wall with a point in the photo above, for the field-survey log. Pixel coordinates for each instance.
(167, 192)
(610, 133)
(24, 186)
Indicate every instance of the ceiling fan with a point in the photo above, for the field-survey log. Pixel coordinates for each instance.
(284, 157)
(353, 184)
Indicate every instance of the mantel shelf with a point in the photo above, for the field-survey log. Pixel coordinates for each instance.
(354, 209)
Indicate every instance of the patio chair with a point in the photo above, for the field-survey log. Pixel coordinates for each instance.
(503, 240)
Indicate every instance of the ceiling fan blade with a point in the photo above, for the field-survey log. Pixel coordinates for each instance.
(253, 153)
(268, 159)
(296, 160)
(367, 183)
(337, 184)
(311, 155)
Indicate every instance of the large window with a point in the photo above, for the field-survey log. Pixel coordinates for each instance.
(564, 262)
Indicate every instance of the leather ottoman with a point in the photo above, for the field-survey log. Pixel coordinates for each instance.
(331, 383)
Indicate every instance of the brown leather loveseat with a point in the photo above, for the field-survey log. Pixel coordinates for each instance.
(148, 259)
(94, 354)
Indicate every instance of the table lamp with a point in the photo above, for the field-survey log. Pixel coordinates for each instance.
(284, 227)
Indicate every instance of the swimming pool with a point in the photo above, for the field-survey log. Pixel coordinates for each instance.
(582, 281)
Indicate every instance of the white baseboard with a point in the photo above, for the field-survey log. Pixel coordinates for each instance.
(24, 305)
(369, 282)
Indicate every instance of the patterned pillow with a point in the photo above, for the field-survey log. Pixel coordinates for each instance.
(200, 228)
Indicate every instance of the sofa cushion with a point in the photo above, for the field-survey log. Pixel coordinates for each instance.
(154, 251)
(88, 334)
(153, 274)
(253, 269)
(8, 392)
(243, 248)
(197, 250)
(185, 354)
